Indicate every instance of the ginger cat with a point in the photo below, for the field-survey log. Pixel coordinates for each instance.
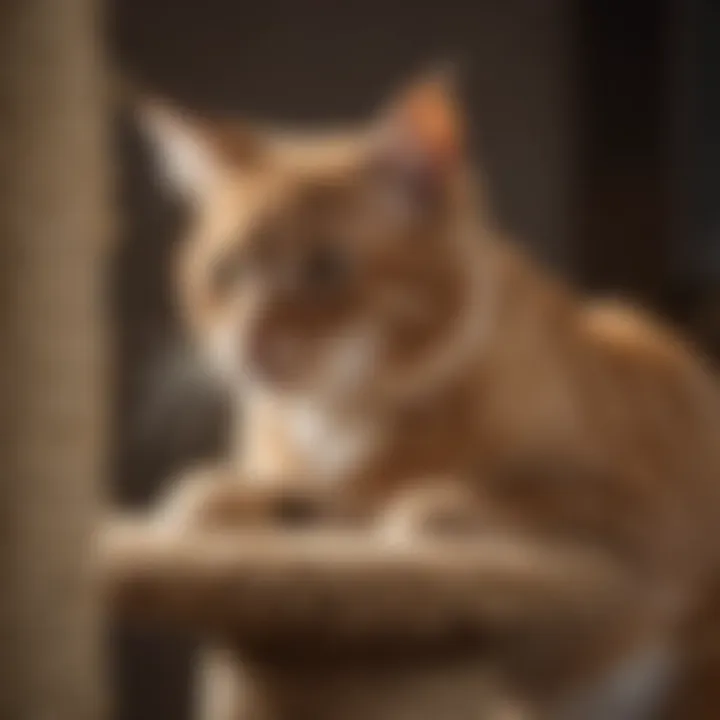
(398, 363)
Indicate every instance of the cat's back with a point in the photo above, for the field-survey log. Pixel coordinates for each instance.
(652, 402)
(648, 360)
(603, 355)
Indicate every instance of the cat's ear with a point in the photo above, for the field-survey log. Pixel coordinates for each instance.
(184, 154)
(422, 131)
(193, 153)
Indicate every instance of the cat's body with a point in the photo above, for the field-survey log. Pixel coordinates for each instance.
(393, 357)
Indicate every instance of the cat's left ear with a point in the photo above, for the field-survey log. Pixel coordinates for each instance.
(422, 131)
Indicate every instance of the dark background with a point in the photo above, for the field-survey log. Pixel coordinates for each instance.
(596, 121)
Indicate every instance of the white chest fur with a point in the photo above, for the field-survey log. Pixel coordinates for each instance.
(297, 435)
(333, 445)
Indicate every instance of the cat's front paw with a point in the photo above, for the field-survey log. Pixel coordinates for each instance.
(197, 499)
(217, 498)
(434, 508)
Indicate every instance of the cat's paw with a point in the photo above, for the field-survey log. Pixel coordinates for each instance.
(216, 498)
(195, 500)
(433, 508)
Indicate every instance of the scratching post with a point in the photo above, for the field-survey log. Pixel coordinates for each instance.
(51, 379)
(345, 627)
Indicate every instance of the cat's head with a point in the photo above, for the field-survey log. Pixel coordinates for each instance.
(329, 263)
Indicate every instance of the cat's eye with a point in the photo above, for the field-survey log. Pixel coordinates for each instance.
(326, 267)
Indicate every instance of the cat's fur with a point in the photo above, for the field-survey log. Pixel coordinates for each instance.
(401, 363)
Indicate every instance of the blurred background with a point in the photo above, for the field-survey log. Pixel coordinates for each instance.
(596, 121)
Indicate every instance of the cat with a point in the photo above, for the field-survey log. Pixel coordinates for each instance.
(397, 362)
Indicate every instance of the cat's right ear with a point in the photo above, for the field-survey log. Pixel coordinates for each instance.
(188, 158)
(192, 151)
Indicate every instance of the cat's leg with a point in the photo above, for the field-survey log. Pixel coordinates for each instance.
(434, 506)
(219, 497)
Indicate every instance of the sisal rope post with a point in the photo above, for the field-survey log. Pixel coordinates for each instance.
(51, 370)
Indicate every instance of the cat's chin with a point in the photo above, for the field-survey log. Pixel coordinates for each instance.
(313, 389)
(248, 380)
